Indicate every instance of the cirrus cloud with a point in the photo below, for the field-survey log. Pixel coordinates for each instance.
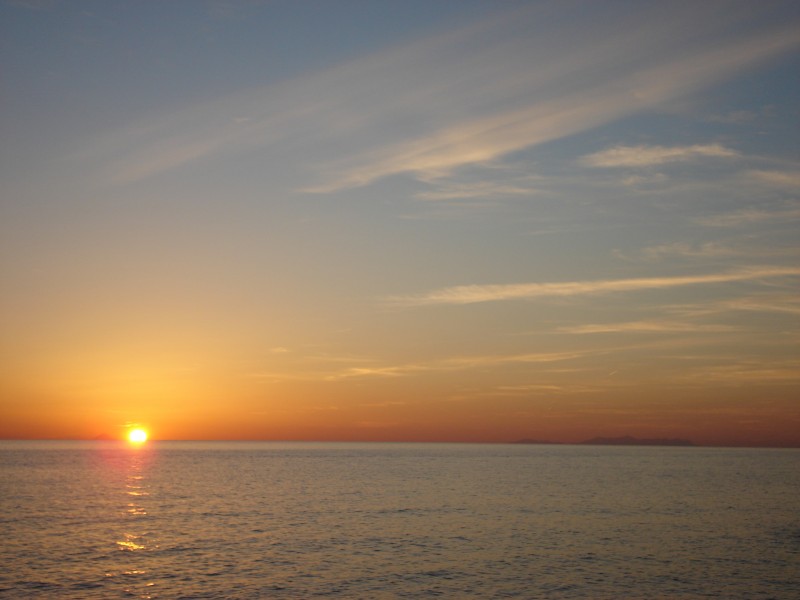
(647, 156)
(471, 294)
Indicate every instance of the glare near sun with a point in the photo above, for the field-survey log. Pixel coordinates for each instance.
(137, 436)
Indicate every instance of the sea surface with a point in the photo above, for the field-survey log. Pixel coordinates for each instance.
(307, 520)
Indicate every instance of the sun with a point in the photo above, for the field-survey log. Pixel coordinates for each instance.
(137, 436)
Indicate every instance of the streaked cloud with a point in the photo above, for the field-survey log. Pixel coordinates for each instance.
(778, 303)
(746, 372)
(34, 4)
(462, 97)
(535, 357)
(648, 327)
(708, 249)
(767, 303)
(458, 363)
(650, 179)
(593, 103)
(470, 294)
(647, 156)
(541, 390)
(393, 371)
(781, 179)
(748, 216)
(450, 190)
(724, 249)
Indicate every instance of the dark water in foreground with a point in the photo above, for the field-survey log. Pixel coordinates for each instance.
(295, 520)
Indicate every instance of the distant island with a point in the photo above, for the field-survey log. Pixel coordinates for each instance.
(619, 441)
(632, 441)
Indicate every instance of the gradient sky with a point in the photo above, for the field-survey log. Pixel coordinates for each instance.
(416, 220)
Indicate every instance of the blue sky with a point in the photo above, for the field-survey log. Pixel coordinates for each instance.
(416, 220)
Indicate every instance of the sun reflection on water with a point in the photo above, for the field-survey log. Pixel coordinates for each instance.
(132, 543)
(134, 536)
(135, 510)
(135, 487)
(135, 513)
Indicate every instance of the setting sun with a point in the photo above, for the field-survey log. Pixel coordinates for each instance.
(137, 436)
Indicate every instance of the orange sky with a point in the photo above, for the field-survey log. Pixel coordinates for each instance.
(400, 409)
(438, 221)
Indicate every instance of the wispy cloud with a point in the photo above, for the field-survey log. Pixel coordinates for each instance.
(469, 294)
(450, 190)
(647, 156)
(766, 303)
(647, 327)
(747, 372)
(682, 249)
(781, 179)
(775, 303)
(595, 102)
(390, 371)
(535, 357)
(748, 246)
(541, 389)
(747, 216)
(458, 98)
(458, 363)
(648, 179)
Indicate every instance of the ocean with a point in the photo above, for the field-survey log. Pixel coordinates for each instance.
(379, 520)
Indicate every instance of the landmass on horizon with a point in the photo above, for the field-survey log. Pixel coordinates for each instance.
(626, 440)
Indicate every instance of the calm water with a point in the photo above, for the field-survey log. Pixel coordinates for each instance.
(281, 520)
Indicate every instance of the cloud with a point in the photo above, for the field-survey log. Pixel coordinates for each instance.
(651, 179)
(747, 372)
(766, 303)
(769, 303)
(479, 189)
(515, 79)
(780, 179)
(686, 250)
(747, 216)
(646, 327)
(458, 363)
(578, 107)
(470, 294)
(535, 387)
(647, 156)
(391, 371)
(745, 246)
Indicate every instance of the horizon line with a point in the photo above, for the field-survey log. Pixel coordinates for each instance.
(639, 442)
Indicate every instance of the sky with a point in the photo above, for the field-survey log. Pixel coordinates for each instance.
(469, 221)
